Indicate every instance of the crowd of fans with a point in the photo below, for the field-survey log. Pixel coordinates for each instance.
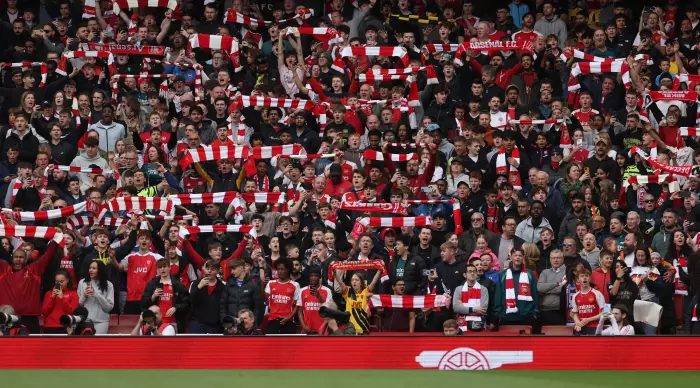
(504, 163)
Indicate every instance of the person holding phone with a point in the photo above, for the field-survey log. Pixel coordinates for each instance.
(614, 322)
(168, 293)
(62, 299)
(623, 290)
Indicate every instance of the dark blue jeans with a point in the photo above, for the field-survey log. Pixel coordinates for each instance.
(202, 328)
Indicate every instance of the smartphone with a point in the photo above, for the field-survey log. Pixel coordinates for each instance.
(606, 309)
(579, 142)
(587, 171)
(684, 194)
(427, 272)
(426, 189)
(57, 286)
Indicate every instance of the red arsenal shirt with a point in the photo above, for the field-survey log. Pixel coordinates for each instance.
(588, 305)
(310, 305)
(282, 297)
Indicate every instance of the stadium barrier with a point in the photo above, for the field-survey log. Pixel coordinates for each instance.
(370, 352)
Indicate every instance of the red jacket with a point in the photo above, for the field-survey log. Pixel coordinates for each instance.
(53, 308)
(22, 289)
(600, 280)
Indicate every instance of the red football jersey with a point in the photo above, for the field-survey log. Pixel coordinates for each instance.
(310, 305)
(584, 117)
(282, 297)
(140, 270)
(166, 302)
(588, 305)
(522, 36)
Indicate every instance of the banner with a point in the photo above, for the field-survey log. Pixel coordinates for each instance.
(124, 48)
(435, 352)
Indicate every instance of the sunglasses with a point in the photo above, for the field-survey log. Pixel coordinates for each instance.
(648, 201)
(567, 244)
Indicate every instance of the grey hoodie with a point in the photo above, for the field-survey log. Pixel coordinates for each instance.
(552, 27)
(84, 161)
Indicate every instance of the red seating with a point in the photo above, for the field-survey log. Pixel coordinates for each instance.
(516, 328)
(128, 320)
(558, 330)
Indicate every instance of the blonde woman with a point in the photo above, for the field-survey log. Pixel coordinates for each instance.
(532, 256)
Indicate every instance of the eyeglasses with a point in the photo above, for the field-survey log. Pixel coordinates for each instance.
(471, 271)
(477, 219)
(567, 244)
(648, 201)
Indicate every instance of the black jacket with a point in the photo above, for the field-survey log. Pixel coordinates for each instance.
(205, 307)
(413, 278)
(452, 275)
(181, 300)
(235, 298)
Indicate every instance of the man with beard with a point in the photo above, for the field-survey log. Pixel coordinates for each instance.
(301, 134)
(600, 159)
(662, 239)
(311, 298)
(578, 213)
(531, 228)
(513, 108)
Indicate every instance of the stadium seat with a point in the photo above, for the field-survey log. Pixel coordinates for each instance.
(120, 329)
(113, 320)
(516, 328)
(557, 330)
(127, 320)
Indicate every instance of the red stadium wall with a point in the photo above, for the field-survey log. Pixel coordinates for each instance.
(545, 353)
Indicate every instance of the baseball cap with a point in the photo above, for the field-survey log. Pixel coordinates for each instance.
(557, 150)
(433, 127)
(388, 231)
(179, 78)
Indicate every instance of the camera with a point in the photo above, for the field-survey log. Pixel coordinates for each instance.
(8, 319)
(548, 46)
(340, 316)
(71, 320)
(233, 325)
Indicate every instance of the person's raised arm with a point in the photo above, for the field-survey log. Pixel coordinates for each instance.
(280, 51)
(40, 265)
(98, 15)
(339, 278)
(192, 253)
(164, 27)
(375, 280)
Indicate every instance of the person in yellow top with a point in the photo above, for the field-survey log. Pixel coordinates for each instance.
(357, 299)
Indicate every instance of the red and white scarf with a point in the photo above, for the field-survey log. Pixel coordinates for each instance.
(356, 266)
(127, 49)
(207, 153)
(270, 102)
(235, 17)
(409, 301)
(326, 35)
(192, 230)
(437, 48)
(379, 156)
(265, 183)
(456, 210)
(396, 222)
(383, 207)
(646, 179)
(689, 131)
(195, 66)
(608, 66)
(491, 46)
(63, 63)
(162, 89)
(684, 171)
(129, 4)
(76, 222)
(524, 292)
(42, 68)
(43, 232)
(504, 168)
(140, 203)
(535, 122)
(471, 297)
(190, 199)
(45, 215)
(429, 72)
(383, 51)
(228, 44)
